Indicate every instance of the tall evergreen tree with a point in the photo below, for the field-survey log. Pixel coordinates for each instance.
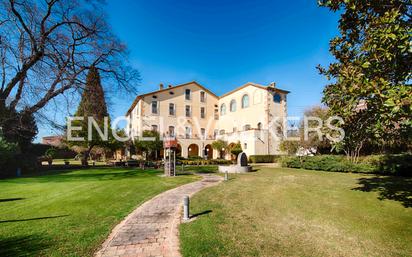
(371, 78)
(92, 104)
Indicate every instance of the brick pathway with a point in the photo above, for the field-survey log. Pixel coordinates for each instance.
(152, 229)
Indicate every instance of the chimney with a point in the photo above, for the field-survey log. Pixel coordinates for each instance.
(169, 86)
(161, 86)
(272, 84)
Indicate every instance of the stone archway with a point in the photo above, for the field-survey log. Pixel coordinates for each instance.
(209, 152)
(179, 150)
(193, 150)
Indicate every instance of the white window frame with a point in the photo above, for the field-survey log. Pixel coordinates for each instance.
(190, 94)
(204, 112)
(174, 109)
(204, 96)
(233, 101)
(157, 106)
(188, 132)
(190, 111)
(248, 101)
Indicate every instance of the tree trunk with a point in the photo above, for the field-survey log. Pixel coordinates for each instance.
(352, 153)
(86, 155)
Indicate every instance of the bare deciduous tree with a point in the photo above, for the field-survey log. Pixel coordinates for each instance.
(47, 46)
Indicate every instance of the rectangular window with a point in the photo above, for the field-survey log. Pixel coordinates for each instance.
(216, 114)
(202, 112)
(203, 133)
(215, 132)
(154, 107)
(172, 109)
(188, 111)
(171, 131)
(188, 94)
(202, 96)
(154, 127)
(244, 146)
(188, 132)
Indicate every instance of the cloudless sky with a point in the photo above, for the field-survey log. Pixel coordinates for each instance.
(224, 44)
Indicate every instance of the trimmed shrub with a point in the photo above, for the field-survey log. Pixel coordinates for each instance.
(195, 158)
(400, 164)
(263, 158)
(206, 162)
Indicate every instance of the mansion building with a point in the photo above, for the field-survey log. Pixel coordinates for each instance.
(251, 114)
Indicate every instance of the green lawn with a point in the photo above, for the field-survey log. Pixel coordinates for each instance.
(70, 214)
(288, 212)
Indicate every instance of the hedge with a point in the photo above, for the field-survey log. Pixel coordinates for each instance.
(206, 162)
(263, 158)
(399, 164)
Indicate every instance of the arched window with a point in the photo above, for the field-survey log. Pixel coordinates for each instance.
(259, 126)
(233, 105)
(223, 109)
(245, 101)
(277, 98)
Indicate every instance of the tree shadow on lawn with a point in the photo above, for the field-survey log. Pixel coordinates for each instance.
(89, 174)
(389, 188)
(11, 199)
(38, 218)
(17, 246)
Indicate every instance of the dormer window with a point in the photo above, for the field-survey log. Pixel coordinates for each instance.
(188, 95)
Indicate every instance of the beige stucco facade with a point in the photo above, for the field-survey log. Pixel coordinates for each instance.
(197, 117)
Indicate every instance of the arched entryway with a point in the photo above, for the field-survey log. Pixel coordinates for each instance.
(179, 150)
(193, 150)
(209, 152)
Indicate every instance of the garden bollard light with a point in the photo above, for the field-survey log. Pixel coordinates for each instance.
(226, 176)
(183, 167)
(186, 208)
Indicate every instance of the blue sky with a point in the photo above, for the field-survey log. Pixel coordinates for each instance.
(224, 44)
